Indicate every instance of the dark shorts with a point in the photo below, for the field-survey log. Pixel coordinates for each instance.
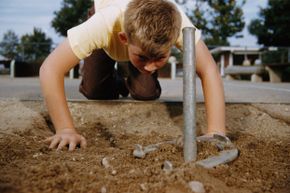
(100, 80)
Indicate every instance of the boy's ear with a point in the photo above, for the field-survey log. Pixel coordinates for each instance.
(123, 38)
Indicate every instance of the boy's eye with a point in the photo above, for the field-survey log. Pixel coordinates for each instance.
(162, 58)
(142, 58)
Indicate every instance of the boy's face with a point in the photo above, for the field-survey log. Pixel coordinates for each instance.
(143, 62)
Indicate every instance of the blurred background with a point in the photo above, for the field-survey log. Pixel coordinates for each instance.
(249, 39)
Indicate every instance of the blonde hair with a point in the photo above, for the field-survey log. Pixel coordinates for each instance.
(154, 25)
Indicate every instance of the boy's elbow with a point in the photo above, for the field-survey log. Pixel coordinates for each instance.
(42, 71)
(211, 71)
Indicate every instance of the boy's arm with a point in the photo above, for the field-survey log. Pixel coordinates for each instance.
(52, 73)
(212, 86)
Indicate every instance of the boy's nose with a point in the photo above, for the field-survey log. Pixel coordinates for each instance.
(151, 67)
(154, 65)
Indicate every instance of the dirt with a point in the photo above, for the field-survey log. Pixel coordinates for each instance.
(261, 132)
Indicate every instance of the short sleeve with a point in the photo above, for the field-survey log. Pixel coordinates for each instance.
(96, 32)
(88, 36)
(186, 23)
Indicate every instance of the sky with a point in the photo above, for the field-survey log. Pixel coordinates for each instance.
(22, 15)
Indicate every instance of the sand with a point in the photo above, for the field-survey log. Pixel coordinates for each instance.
(261, 132)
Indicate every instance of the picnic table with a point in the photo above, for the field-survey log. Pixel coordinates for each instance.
(274, 70)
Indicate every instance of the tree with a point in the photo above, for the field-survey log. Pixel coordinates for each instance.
(8, 45)
(197, 16)
(72, 13)
(227, 20)
(35, 47)
(271, 29)
(218, 19)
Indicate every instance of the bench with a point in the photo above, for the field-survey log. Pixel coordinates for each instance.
(256, 72)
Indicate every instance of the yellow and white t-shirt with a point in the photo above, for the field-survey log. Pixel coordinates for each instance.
(101, 31)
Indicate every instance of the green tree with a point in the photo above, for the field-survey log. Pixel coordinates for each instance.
(272, 26)
(8, 45)
(218, 19)
(197, 16)
(35, 47)
(72, 13)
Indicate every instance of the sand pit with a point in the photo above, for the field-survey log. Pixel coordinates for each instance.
(261, 132)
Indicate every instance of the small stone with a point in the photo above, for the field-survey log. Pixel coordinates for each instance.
(150, 148)
(37, 155)
(179, 141)
(103, 189)
(105, 162)
(143, 187)
(286, 109)
(167, 166)
(196, 187)
(74, 159)
(114, 172)
(138, 151)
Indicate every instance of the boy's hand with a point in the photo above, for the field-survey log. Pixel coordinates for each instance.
(66, 137)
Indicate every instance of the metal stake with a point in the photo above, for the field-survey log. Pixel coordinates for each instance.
(189, 94)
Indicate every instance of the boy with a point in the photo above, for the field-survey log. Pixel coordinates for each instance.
(139, 31)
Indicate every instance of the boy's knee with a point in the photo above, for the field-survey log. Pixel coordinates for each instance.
(149, 96)
(144, 91)
(143, 86)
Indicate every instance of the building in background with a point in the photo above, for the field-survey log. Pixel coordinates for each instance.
(236, 56)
